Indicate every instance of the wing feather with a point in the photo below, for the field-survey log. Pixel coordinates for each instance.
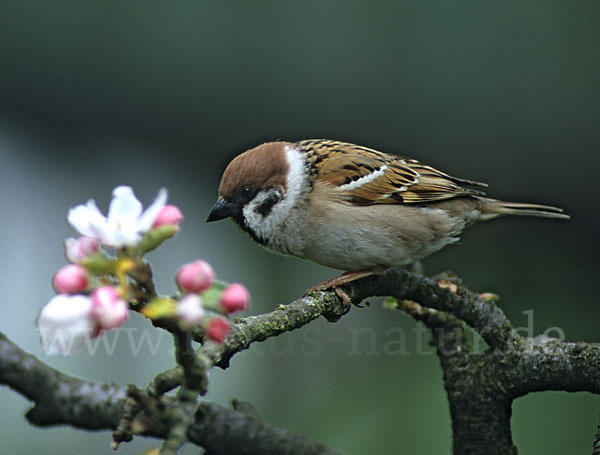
(364, 176)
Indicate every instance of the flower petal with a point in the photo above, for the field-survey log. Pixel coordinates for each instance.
(99, 224)
(123, 215)
(79, 218)
(125, 224)
(80, 248)
(125, 234)
(124, 207)
(65, 324)
(147, 219)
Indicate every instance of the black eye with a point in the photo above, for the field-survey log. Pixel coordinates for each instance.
(246, 193)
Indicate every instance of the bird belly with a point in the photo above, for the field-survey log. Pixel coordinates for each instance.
(377, 236)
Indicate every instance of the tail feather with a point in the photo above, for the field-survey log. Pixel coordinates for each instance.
(493, 208)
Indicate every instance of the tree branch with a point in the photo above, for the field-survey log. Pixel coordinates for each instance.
(485, 317)
(58, 397)
(596, 449)
(480, 385)
(61, 399)
(195, 383)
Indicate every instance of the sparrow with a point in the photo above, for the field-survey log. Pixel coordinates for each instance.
(352, 208)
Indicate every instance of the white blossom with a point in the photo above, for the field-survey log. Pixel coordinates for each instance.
(125, 224)
(65, 324)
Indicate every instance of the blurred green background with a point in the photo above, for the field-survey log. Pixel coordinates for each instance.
(94, 94)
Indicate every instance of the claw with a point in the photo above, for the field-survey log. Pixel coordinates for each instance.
(334, 284)
(344, 296)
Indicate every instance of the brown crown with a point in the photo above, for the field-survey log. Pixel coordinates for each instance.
(260, 167)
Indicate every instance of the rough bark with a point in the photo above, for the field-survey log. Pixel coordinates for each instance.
(481, 384)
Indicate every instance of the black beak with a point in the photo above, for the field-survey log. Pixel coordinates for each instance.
(220, 210)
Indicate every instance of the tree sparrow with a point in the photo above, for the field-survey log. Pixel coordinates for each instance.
(350, 207)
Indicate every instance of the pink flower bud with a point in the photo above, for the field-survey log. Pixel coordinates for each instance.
(168, 215)
(70, 279)
(108, 308)
(80, 248)
(218, 329)
(235, 297)
(196, 276)
(190, 309)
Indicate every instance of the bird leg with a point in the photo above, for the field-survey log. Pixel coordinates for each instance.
(335, 283)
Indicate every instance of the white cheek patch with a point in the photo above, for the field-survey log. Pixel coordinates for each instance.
(252, 215)
(296, 178)
(364, 179)
(271, 225)
(266, 225)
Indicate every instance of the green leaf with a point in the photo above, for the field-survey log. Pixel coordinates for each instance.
(160, 307)
(154, 237)
(99, 264)
(390, 303)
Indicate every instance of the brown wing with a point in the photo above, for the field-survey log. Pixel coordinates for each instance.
(365, 176)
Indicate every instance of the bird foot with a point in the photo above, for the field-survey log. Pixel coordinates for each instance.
(334, 284)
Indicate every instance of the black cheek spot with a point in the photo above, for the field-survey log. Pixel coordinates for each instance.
(265, 208)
